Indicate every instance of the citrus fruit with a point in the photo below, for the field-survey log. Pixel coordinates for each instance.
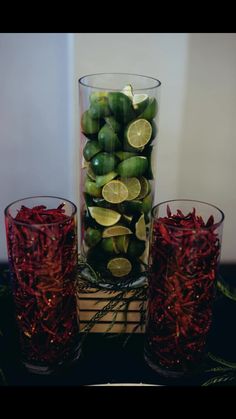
(140, 102)
(135, 248)
(140, 228)
(154, 130)
(100, 202)
(103, 179)
(145, 187)
(132, 167)
(117, 230)
(91, 148)
(91, 188)
(89, 125)
(119, 267)
(147, 204)
(123, 155)
(130, 207)
(138, 133)
(111, 122)
(134, 187)
(99, 108)
(115, 192)
(122, 243)
(128, 91)
(109, 245)
(108, 139)
(121, 107)
(91, 173)
(151, 109)
(92, 236)
(103, 216)
(95, 96)
(103, 163)
(149, 155)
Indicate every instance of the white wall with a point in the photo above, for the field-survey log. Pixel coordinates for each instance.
(35, 134)
(39, 113)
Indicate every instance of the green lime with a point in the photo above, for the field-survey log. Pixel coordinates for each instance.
(148, 153)
(103, 216)
(128, 91)
(115, 192)
(132, 167)
(121, 107)
(103, 179)
(89, 125)
(101, 202)
(131, 207)
(88, 199)
(151, 109)
(134, 187)
(103, 163)
(91, 148)
(154, 130)
(123, 155)
(140, 228)
(92, 189)
(119, 267)
(136, 248)
(147, 204)
(99, 109)
(92, 236)
(140, 102)
(108, 139)
(138, 133)
(122, 243)
(145, 187)
(109, 245)
(115, 125)
(96, 96)
(91, 173)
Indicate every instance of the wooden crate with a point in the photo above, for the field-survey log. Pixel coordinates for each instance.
(127, 313)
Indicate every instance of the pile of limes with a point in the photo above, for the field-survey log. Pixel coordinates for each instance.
(119, 128)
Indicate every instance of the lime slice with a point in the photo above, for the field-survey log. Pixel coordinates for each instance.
(91, 174)
(151, 109)
(134, 187)
(103, 216)
(122, 243)
(108, 139)
(147, 204)
(117, 230)
(89, 125)
(140, 228)
(128, 91)
(92, 236)
(91, 188)
(127, 218)
(138, 133)
(103, 163)
(103, 179)
(115, 192)
(132, 167)
(115, 125)
(121, 106)
(96, 96)
(136, 248)
(145, 187)
(109, 245)
(91, 148)
(140, 102)
(123, 155)
(119, 267)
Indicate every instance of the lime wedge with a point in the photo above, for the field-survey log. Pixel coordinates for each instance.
(122, 243)
(103, 216)
(132, 167)
(119, 267)
(117, 230)
(128, 91)
(140, 102)
(91, 149)
(145, 187)
(140, 228)
(91, 188)
(134, 187)
(103, 179)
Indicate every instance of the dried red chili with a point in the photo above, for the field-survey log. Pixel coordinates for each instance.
(184, 260)
(42, 248)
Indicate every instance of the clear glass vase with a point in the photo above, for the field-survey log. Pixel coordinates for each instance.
(118, 152)
(42, 245)
(185, 246)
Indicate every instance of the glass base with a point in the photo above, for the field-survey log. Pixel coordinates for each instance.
(161, 370)
(47, 370)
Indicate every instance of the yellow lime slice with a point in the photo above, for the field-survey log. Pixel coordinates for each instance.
(128, 91)
(103, 216)
(140, 228)
(117, 230)
(115, 192)
(119, 267)
(145, 187)
(134, 187)
(138, 133)
(122, 243)
(140, 102)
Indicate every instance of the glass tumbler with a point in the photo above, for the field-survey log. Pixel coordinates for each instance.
(41, 237)
(185, 246)
(118, 152)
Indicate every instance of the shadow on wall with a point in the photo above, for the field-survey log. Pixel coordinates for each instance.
(207, 154)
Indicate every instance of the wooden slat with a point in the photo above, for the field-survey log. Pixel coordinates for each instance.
(117, 328)
(99, 304)
(133, 316)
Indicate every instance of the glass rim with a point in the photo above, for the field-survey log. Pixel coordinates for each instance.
(8, 215)
(215, 225)
(81, 81)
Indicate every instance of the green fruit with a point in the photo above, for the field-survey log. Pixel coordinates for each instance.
(154, 130)
(96, 96)
(130, 207)
(108, 139)
(99, 109)
(147, 204)
(151, 109)
(88, 199)
(92, 189)
(88, 125)
(91, 149)
(123, 155)
(136, 248)
(92, 236)
(102, 180)
(115, 125)
(147, 152)
(134, 166)
(121, 106)
(103, 163)
(108, 245)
